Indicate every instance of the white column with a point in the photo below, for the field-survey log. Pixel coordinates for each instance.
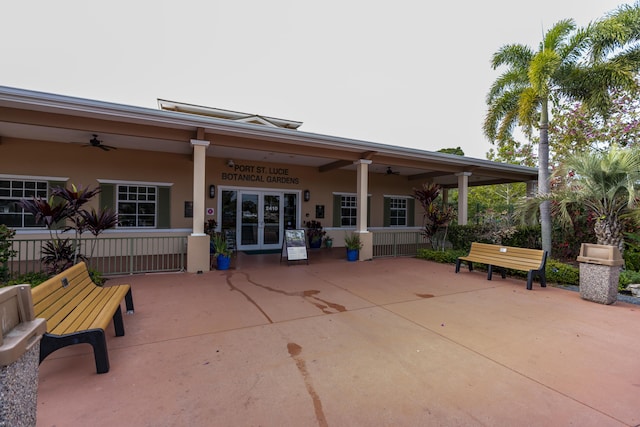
(199, 165)
(361, 221)
(198, 243)
(363, 191)
(463, 197)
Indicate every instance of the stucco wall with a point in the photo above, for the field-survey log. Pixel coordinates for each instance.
(84, 165)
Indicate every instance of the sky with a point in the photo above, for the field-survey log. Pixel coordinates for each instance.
(409, 73)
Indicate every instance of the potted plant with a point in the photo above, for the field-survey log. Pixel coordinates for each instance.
(315, 233)
(353, 244)
(221, 251)
(328, 242)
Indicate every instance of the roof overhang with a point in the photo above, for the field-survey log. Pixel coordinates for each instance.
(49, 117)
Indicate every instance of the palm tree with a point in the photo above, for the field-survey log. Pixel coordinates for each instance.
(570, 64)
(521, 95)
(606, 183)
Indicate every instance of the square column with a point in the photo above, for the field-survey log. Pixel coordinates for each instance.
(198, 241)
(361, 221)
(463, 197)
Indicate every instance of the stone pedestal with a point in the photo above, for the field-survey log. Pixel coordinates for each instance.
(19, 389)
(599, 283)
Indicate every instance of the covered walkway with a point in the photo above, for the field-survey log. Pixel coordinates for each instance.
(400, 342)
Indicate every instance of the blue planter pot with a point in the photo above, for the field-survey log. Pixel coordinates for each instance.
(223, 262)
(315, 244)
(352, 254)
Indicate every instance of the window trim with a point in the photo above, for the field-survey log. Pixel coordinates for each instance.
(34, 177)
(141, 183)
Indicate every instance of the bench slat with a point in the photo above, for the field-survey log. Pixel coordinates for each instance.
(100, 312)
(79, 313)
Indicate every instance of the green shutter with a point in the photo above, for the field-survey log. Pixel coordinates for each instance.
(387, 212)
(411, 212)
(108, 197)
(164, 207)
(337, 203)
(60, 224)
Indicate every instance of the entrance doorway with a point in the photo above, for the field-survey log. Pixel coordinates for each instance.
(257, 218)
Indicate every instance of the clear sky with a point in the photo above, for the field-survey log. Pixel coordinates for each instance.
(410, 73)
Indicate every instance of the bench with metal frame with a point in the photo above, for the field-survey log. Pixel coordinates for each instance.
(533, 261)
(78, 311)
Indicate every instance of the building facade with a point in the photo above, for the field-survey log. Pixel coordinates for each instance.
(170, 170)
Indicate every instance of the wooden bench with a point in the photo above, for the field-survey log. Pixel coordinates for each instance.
(78, 311)
(531, 260)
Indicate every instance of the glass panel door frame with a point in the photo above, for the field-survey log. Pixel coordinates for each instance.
(261, 194)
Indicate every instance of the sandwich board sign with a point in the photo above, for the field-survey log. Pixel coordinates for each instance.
(294, 246)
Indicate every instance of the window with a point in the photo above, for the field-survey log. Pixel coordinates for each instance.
(348, 211)
(345, 210)
(137, 206)
(14, 190)
(397, 212)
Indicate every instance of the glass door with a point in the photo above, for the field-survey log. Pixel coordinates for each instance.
(261, 220)
(248, 223)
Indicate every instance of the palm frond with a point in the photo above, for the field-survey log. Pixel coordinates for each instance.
(500, 117)
(541, 71)
(615, 31)
(556, 36)
(512, 55)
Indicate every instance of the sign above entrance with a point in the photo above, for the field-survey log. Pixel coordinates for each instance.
(265, 174)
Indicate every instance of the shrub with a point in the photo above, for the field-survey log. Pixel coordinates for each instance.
(525, 237)
(6, 253)
(632, 260)
(34, 279)
(561, 273)
(96, 276)
(445, 257)
(461, 236)
(628, 277)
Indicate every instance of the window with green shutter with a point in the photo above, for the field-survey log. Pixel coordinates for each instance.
(345, 210)
(399, 211)
(138, 205)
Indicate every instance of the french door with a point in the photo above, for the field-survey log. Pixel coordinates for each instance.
(260, 220)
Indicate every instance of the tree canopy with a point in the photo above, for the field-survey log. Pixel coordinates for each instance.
(584, 65)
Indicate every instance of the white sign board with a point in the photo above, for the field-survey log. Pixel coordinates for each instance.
(294, 245)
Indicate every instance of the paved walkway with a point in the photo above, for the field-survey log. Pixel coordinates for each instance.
(390, 342)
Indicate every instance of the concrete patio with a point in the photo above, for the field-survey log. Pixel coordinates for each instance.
(390, 342)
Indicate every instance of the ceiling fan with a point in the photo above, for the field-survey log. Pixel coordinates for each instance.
(95, 142)
(391, 171)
